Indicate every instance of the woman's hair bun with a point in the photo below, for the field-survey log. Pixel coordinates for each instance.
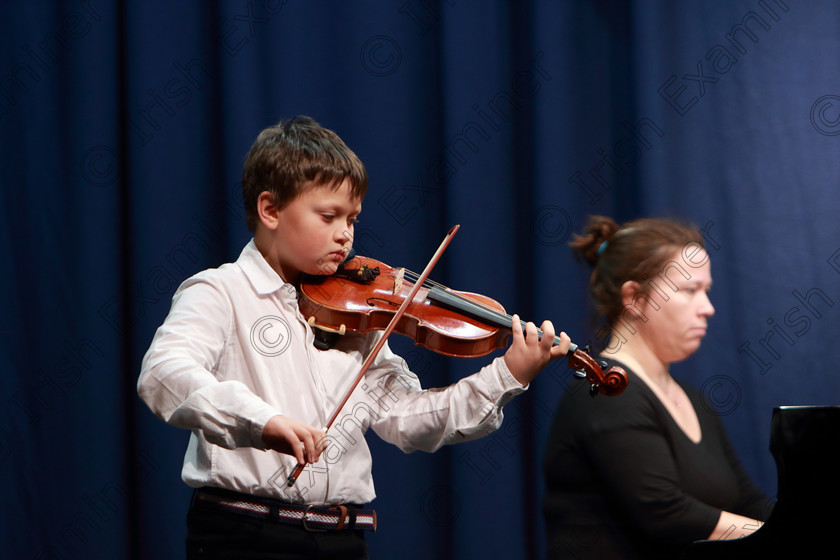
(598, 229)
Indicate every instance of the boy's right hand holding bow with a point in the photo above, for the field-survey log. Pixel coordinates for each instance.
(291, 437)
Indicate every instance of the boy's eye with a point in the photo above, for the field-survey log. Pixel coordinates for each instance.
(330, 217)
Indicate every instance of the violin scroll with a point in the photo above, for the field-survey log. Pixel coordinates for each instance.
(611, 383)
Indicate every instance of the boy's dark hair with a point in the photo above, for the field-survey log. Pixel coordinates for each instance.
(294, 155)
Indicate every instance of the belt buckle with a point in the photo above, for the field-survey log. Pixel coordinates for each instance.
(306, 524)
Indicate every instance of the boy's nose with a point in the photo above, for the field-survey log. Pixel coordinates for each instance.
(344, 235)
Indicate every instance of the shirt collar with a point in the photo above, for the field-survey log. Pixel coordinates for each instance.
(262, 277)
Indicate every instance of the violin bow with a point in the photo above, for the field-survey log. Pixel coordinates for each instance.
(388, 330)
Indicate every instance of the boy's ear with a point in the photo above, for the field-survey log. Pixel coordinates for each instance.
(267, 210)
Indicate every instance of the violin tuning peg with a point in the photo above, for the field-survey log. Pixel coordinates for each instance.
(580, 374)
(593, 390)
(603, 364)
(587, 349)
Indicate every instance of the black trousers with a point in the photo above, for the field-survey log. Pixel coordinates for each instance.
(214, 533)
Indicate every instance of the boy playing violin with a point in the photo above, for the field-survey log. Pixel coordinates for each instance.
(235, 363)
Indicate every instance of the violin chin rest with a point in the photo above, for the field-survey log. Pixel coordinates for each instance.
(325, 340)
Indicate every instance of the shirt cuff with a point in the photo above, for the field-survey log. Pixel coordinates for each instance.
(508, 381)
(504, 384)
(257, 425)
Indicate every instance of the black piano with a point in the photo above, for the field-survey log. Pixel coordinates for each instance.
(805, 521)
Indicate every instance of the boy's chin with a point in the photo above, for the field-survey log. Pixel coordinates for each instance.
(325, 269)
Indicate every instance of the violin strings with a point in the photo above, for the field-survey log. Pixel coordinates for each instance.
(502, 319)
(431, 283)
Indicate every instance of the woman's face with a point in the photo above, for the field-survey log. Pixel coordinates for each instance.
(676, 308)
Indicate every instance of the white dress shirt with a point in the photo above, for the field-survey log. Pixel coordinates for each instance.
(235, 351)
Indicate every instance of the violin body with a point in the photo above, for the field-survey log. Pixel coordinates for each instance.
(339, 303)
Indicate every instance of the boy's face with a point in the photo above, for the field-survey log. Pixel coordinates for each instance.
(313, 233)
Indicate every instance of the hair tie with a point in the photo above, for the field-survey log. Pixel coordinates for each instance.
(602, 248)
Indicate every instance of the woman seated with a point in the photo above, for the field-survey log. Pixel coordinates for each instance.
(645, 473)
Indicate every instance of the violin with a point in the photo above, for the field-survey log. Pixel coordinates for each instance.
(364, 294)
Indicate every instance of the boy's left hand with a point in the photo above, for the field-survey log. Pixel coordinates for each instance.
(529, 354)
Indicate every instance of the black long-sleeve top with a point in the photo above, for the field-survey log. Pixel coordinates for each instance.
(624, 481)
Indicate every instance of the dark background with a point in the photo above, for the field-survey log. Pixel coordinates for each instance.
(123, 128)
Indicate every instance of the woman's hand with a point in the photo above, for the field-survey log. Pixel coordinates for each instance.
(733, 526)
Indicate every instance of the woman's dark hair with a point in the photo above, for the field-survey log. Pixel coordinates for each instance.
(635, 251)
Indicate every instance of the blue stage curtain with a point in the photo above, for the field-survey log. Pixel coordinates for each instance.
(123, 128)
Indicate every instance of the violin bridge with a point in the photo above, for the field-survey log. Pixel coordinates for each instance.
(398, 280)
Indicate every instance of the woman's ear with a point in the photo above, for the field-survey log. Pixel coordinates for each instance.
(267, 210)
(628, 291)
